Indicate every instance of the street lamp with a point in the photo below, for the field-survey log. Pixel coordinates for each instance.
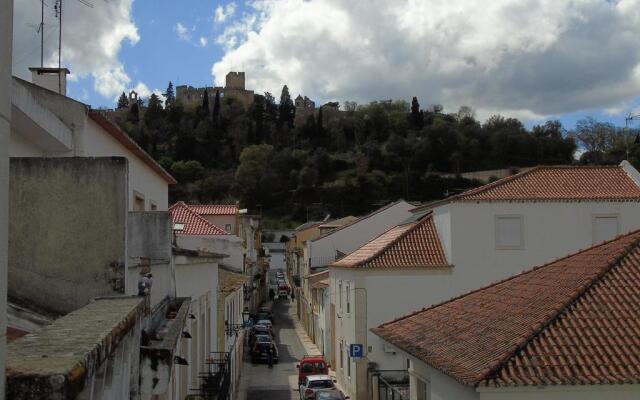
(233, 329)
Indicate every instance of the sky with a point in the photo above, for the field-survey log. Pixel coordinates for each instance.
(529, 59)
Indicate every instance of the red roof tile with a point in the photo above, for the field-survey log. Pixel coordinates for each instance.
(14, 333)
(573, 321)
(214, 209)
(410, 245)
(193, 223)
(559, 183)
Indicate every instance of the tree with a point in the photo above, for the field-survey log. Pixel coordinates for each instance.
(205, 103)
(253, 176)
(594, 135)
(123, 101)
(154, 111)
(287, 109)
(169, 96)
(417, 118)
(216, 105)
(134, 113)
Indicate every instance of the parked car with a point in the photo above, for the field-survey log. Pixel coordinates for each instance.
(259, 330)
(260, 352)
(265, 313)
(315, 383)
(330, 395)
(265, 322)
(311, 365)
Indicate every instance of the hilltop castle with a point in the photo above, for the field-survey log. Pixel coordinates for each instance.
(234, 87)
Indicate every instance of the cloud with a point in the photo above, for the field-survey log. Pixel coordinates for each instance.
(203, 41)
(182, 31)
(531, 58)
(222, 13)
(91, 42)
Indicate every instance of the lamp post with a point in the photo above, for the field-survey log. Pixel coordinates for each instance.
(233, 329)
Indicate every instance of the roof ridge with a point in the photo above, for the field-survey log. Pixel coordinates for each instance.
(498, 282)
(362, 218)
(575, 296)
(494, 184)
(183, 205)
(392, 243)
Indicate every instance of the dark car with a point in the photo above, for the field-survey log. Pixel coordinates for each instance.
(259, 330)
(263, 315)
(260, 352)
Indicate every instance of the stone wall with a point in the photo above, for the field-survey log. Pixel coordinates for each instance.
(66, 230)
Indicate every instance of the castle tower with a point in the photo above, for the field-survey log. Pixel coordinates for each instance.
(234, 80)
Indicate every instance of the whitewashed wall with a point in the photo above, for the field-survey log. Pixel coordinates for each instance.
(229, 245)
(354, 236)
(142, 178)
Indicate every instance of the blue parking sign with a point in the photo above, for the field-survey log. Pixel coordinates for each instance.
(356, 351)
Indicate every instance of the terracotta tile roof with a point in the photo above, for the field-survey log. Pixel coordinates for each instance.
(409, 245)
(559, 183)
(573, 321)
(193, 223)
(214, 209)
(14, 333)
(230, 281)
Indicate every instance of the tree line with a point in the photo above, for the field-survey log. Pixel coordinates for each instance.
(344, 159)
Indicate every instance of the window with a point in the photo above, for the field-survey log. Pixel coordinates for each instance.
(422, 390)
(227, 228)
(348, 298)
(154, 206)
(138, 201)
(348, 366)
(509, 232)
(340, 294)
(605, 227)
(341, 355)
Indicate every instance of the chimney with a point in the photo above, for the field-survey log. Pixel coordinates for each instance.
(54, 79)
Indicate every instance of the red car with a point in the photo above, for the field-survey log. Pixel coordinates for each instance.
(311, 365)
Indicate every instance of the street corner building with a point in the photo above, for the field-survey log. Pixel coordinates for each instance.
(566, 330)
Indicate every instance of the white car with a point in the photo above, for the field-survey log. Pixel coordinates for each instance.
(315, 383)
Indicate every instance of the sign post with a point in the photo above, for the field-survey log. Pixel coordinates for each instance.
(356, 351)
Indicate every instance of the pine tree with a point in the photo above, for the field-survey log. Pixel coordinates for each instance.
(216, 105)
(169, 96)
(123, 101)
(134, 113)
(287, 109)
(417, 119)
(154, 110)
(205, 102)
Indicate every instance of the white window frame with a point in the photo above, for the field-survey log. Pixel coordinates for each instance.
(348, 292)
(495, 234)
(593, 225)
(139, 196)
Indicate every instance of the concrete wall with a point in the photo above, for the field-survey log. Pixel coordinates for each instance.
(142, 178)
(149, 236)
(350, 238)
(222, 220)
(6, 36)
(439, 385)
(67, 230)
(229, 245)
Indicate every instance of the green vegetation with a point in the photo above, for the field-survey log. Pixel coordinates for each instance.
(344, 161)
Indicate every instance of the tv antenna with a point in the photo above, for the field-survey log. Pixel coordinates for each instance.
(630, 117)
(58, 12)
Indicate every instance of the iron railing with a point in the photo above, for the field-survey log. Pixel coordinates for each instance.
(389, 384)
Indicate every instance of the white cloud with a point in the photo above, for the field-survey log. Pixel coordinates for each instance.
(182, 31)
(530, 58)
(223, 12)
(91, 42)
(203, 41)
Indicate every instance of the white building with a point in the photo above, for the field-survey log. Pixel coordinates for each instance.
(49, 124)
(6, 35)
(197, 279)
(467, 241)
(566, 330)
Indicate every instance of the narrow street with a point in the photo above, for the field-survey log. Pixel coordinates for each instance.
(279, 383)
